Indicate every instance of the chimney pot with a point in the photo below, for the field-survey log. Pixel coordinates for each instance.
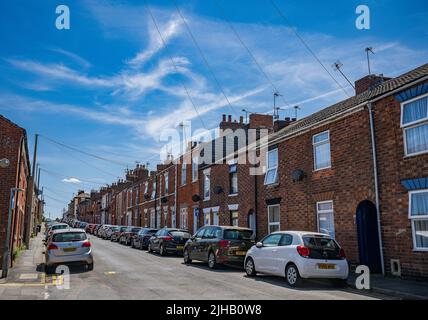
(229, 118)
(224, 118)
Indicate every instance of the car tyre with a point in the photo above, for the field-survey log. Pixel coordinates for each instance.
(292, 275)
(90, 266)
(212, 261)
(162, 251)
(186, 256)
(149, 248)
(49, 269)
(250, 267)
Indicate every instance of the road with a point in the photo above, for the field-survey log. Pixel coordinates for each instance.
(124, 273)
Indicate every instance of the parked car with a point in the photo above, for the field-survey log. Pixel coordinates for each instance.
(298, 255)
(115, 236)
(102, 230)
(82, 225)
(68, 246)
(56, 226)
(168, 240)
(219, 245)
(109, 231)
(141, 239)
(128, 234)
(89, 227)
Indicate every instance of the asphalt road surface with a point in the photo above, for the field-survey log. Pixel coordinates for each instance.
(124, 273)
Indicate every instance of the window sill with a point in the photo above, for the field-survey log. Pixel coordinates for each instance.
(408, 156)
(233, 195)
(421, 250)
(321, 169)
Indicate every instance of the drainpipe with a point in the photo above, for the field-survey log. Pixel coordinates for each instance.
(175, 195)
(376, 183)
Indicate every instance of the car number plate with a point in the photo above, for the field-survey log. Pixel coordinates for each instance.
(241, 253)
(326, 266)
(69, 249)
(180, 247)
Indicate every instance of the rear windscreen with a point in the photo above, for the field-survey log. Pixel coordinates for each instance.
(69, 237)
(59, 227)
(180, 234)
(320, 243)
(238, 234)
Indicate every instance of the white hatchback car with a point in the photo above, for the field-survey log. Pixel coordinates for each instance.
(298, 255)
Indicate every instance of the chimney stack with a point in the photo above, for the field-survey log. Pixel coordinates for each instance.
(369, 82)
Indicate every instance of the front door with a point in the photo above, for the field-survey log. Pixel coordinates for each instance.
(368, 236)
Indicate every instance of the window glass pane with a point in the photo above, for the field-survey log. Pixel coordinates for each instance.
(273, 214)
(273, 228)
(419, 204)
(286, 240)
(415, 110)
(272, 241)
(321, 137)
(325, 206)
(271, 176)
(421, 233)
(322, 156)
(273, 158)
(417, 139)
(326, 224)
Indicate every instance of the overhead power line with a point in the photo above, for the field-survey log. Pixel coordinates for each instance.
(207, 64)
(275, 89)
(174, 64)
(281, 14)
(59, 175)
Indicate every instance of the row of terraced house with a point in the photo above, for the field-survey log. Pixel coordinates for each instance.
(357, 170)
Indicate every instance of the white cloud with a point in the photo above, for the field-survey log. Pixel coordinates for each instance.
(71, 180)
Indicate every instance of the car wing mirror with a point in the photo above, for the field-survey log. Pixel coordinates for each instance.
(259, 245)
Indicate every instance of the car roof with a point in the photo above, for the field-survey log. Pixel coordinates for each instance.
(232, 228)
(69, 230)
(302, 233)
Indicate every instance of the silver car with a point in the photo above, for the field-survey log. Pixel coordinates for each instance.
(68, 246)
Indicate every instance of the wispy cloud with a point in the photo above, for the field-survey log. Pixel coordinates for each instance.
(71, 180)
(75, 57)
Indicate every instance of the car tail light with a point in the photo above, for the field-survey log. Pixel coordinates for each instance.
(168, 238)
(52, 247)
(224, 243)
(303, 251)
(86, 244)
(342, 254)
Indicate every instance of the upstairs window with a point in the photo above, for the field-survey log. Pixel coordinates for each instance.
(166, 179)
(271, 176)
(414, 120)
(321, 145)
(154, 190)
(233, 179)
(194, 169)
(207, 185)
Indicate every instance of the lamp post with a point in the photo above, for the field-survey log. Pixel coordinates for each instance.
(6, 251)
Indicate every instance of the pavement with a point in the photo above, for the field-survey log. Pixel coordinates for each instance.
(124, 273)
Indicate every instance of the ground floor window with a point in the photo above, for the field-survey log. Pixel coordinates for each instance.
(173, 218)
(152, 219)
(158, 219)
(165, 216)
(325, 218)
(273, 218)
(216, 220)
(234, 218)
(418, 213)
(207, 218)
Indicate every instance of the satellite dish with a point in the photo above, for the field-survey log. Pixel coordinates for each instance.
(298, 175)
(196, 198)
(218, 190)
(4, 163)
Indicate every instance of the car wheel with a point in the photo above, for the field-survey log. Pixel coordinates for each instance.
(149, 248)
(49, 269)
(90, 266)
(250, 268)
(186, 257)
(162, 250)
(292, 276)
(212, 261)
(132, 244)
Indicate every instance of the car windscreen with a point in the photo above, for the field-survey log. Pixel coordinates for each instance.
(115, 229)
(69, 237)
(234, 234)
(181, 234)
(135, 229)
(123, 229)
(59, 227)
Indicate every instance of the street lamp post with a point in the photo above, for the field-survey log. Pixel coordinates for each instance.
(6, 251)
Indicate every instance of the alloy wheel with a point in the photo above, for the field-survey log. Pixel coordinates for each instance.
(292, 275)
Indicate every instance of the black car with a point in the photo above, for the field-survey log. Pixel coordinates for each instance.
(219, 245)
(141, 239)
(168, 240)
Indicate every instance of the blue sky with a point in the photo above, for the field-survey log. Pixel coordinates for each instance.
(108, 86)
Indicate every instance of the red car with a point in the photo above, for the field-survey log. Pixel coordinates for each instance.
(90, 228)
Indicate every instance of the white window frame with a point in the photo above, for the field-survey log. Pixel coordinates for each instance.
(273, 168)
(413, 124)
(231, 179)
(413, 219)
(316, 144)
(325, 211)
(274, 223)
(195, 164)
(207, 218)
(183, 214)
(173, 218)
(207, 197)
